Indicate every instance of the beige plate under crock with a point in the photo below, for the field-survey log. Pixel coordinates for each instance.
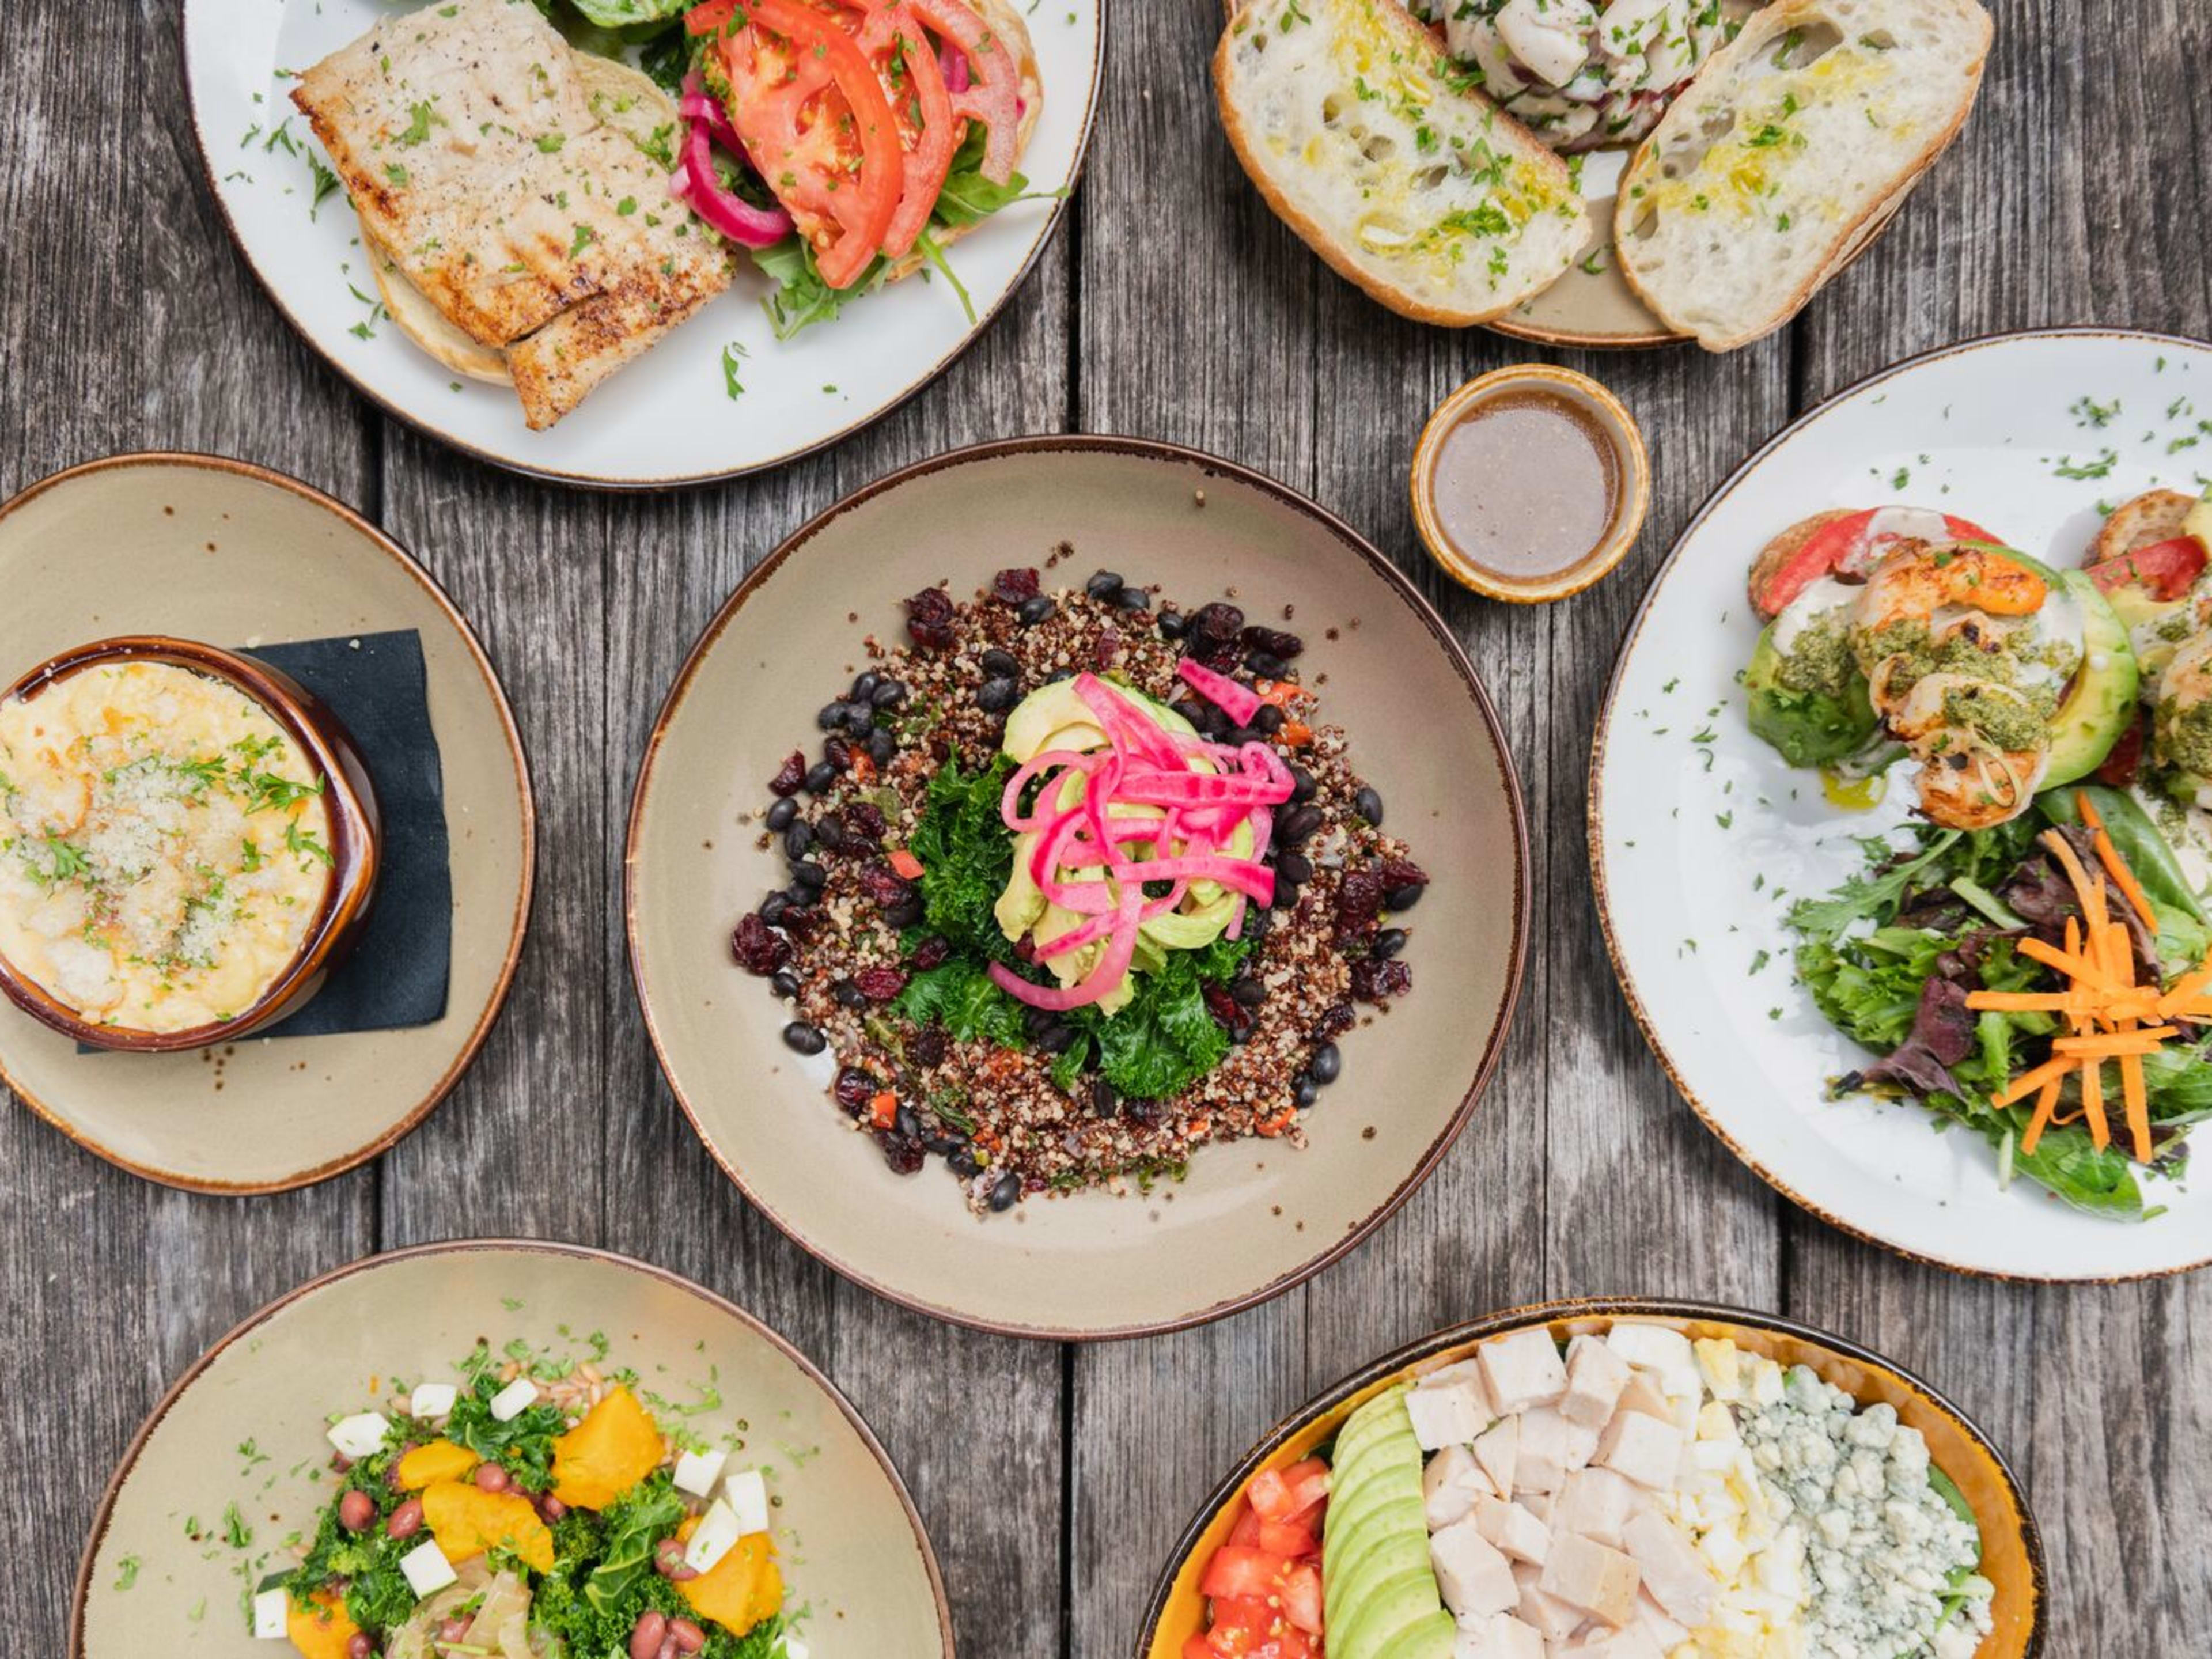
(2012, 1547)
(1253, 1219)
(219, 551)
(245, 1424)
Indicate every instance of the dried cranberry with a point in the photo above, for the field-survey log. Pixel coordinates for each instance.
(1335, 1020)
(1233, 1015)
(1222, 656)
(883, 884)
(1014, 585)
(1108, 648)
(1402, 873)
(931, 953)
(929, 619)
(880, 984)
(926, 1047)
(838, 753)
(854, 1089)
(757, 947)
(1360, 900)
(799, 920)
(1374, 980)
(1218, 621)
(903, 1152)
(867, 823)
(1274, 642)
(789, 775)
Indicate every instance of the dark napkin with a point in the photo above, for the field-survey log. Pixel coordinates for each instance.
(399, 973)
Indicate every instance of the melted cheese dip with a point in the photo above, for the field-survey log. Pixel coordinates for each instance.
(164, 847)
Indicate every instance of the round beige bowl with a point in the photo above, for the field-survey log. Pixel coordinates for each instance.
(1613, 422)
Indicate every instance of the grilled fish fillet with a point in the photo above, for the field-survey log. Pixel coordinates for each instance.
(509, 183)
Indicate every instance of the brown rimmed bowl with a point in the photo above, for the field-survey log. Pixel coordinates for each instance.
(244, 1425)
(356, 841)
(2011, 1546)
(1252, 1218)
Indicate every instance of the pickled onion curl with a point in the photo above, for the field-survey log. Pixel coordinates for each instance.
(695, 183)
(1153, 805)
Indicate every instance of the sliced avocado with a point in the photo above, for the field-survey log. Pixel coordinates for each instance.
(1384, 1487)
(1381, 1573)
(1808, 728)
(2100, 704)
(1376, 1584)
(1433, 1636)
(1385, 1414)
(1054, 716)
(1390, 1531)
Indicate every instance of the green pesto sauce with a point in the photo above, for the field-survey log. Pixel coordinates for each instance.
(1819, 660)
(1914, 656)
(2001, 716)
(2184, 737)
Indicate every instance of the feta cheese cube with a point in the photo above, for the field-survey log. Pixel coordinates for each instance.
(1446, 1415)
(716, 1535)
(1577, 1444)
(1551, 1618)
(432, 1399)
(1595, 1503)
(1595, 1377)
(1597, 1579)
(272, 1608)
(1475, 1580)
(793, 1648)
(516, 1397)
(1497, 1454)
(1449, 1485)
(697, 1472)
(426, 1569)
(1465, 1373)
(1646, 1449)
(746, 1494)
(1522, 1370)
(360, 1436)
(1674, 1575)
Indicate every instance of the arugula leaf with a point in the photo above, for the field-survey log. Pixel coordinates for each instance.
(1866, 897)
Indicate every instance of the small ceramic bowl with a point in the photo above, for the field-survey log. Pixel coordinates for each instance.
(355, 840)
(2012, 1547)
(1612, 420)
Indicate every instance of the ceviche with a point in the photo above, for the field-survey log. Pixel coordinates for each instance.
(1080, 881)
(2030, 960)
(533, 1511)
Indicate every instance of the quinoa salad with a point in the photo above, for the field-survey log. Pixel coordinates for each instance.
(1078, 881)
(533, 1509)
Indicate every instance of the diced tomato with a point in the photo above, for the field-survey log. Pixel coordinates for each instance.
(1302, 1597)
(1286, 1493)
(1246, 1532)
(1294, 1539)
(1199, 1647)
(908, 866)
(1240, 1573)
(2167, 569)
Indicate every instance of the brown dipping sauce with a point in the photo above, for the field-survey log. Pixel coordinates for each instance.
(1526, 486)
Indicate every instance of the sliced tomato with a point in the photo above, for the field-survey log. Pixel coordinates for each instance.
(2169, 569)
(1240, 1573)
(1850, 545)
(1286, 1493)
(892, 40)
(712, 16)
(993, 96)
(1302, 1597)
(813, 115)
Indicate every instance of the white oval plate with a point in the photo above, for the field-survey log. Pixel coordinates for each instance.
(667, 418)
(1700, 808)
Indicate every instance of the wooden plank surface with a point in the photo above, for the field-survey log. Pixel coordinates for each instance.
(1172, 305)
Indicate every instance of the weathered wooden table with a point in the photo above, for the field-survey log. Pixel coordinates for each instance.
(1170, 305)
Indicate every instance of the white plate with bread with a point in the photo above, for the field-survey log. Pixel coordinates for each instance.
(1599, 173)
(481, 213)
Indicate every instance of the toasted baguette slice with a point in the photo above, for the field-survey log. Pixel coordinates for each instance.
(1787, 152)
(1366, 141)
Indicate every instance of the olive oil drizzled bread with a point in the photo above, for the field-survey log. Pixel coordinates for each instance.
(1370, 143)
(1792, 146)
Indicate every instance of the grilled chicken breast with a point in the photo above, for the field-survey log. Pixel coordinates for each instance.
(510, 181)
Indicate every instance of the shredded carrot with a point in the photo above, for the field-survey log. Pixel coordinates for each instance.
(2112, 1044)
(864, 767)
(2044, 1076)
(2045, 1103)
(2092, 1105)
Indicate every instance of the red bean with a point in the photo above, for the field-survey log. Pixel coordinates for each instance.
(358, 1646)
(645, 1638)
(405, 1521)
(552, 1508)
(490, 1477)
(667, 1649)
(688, 1637)
(356, 1510)
(668, 1561)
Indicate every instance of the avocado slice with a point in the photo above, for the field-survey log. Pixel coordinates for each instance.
(1434, 1636)
(2100, 704)
(1383, 1415)
(1381, 1489)
(1379, 1532)
(1377, 1586)
(1809, 728)
(1380, 1575)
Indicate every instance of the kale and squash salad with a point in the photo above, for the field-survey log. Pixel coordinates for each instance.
(525, 1510)
(1077, 882)
(2029, 960)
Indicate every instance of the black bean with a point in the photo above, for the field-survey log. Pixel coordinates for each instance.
(1037, 1021)
(784, 984)
(773, 907)
(943, 1145)
(888, 694)
(1104, 585)
(1054, 1038)
(902, 914)
(1000, 666)
(808, 876)
(802, 1038)
(797, 840)
(1368, 805)
(1295, 867)
(1133, 599)
(830, 716)
(1104, 1101)
(1267, 665)
(1297, 825)
(833, 834)
(860, 718)
(1172, 625)
(1305, 1091)
(1055, 678)
(780, 815)
(1248, 991)
(819, 777)
(997, 697)
(1388, 942)
(1326, 1064)
(1255, 926)
(964, 1163)
(1035, 610)
(1266, 719)
(1005, 1190)
(849, 995)
(1404, 898)
(865, 687)
(882, 746)
(908, 1124)
(1302, 784)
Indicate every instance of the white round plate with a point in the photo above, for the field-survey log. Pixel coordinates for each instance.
(1689, 810)
(668, 418)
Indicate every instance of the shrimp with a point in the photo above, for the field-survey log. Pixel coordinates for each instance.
(2181, 720)
(1956, 726)
(1929, 603)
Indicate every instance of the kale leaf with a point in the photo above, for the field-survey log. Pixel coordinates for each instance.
(962, 995)
(966, 856)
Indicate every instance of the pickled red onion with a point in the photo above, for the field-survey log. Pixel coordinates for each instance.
(694, 183)
(1239, 702)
